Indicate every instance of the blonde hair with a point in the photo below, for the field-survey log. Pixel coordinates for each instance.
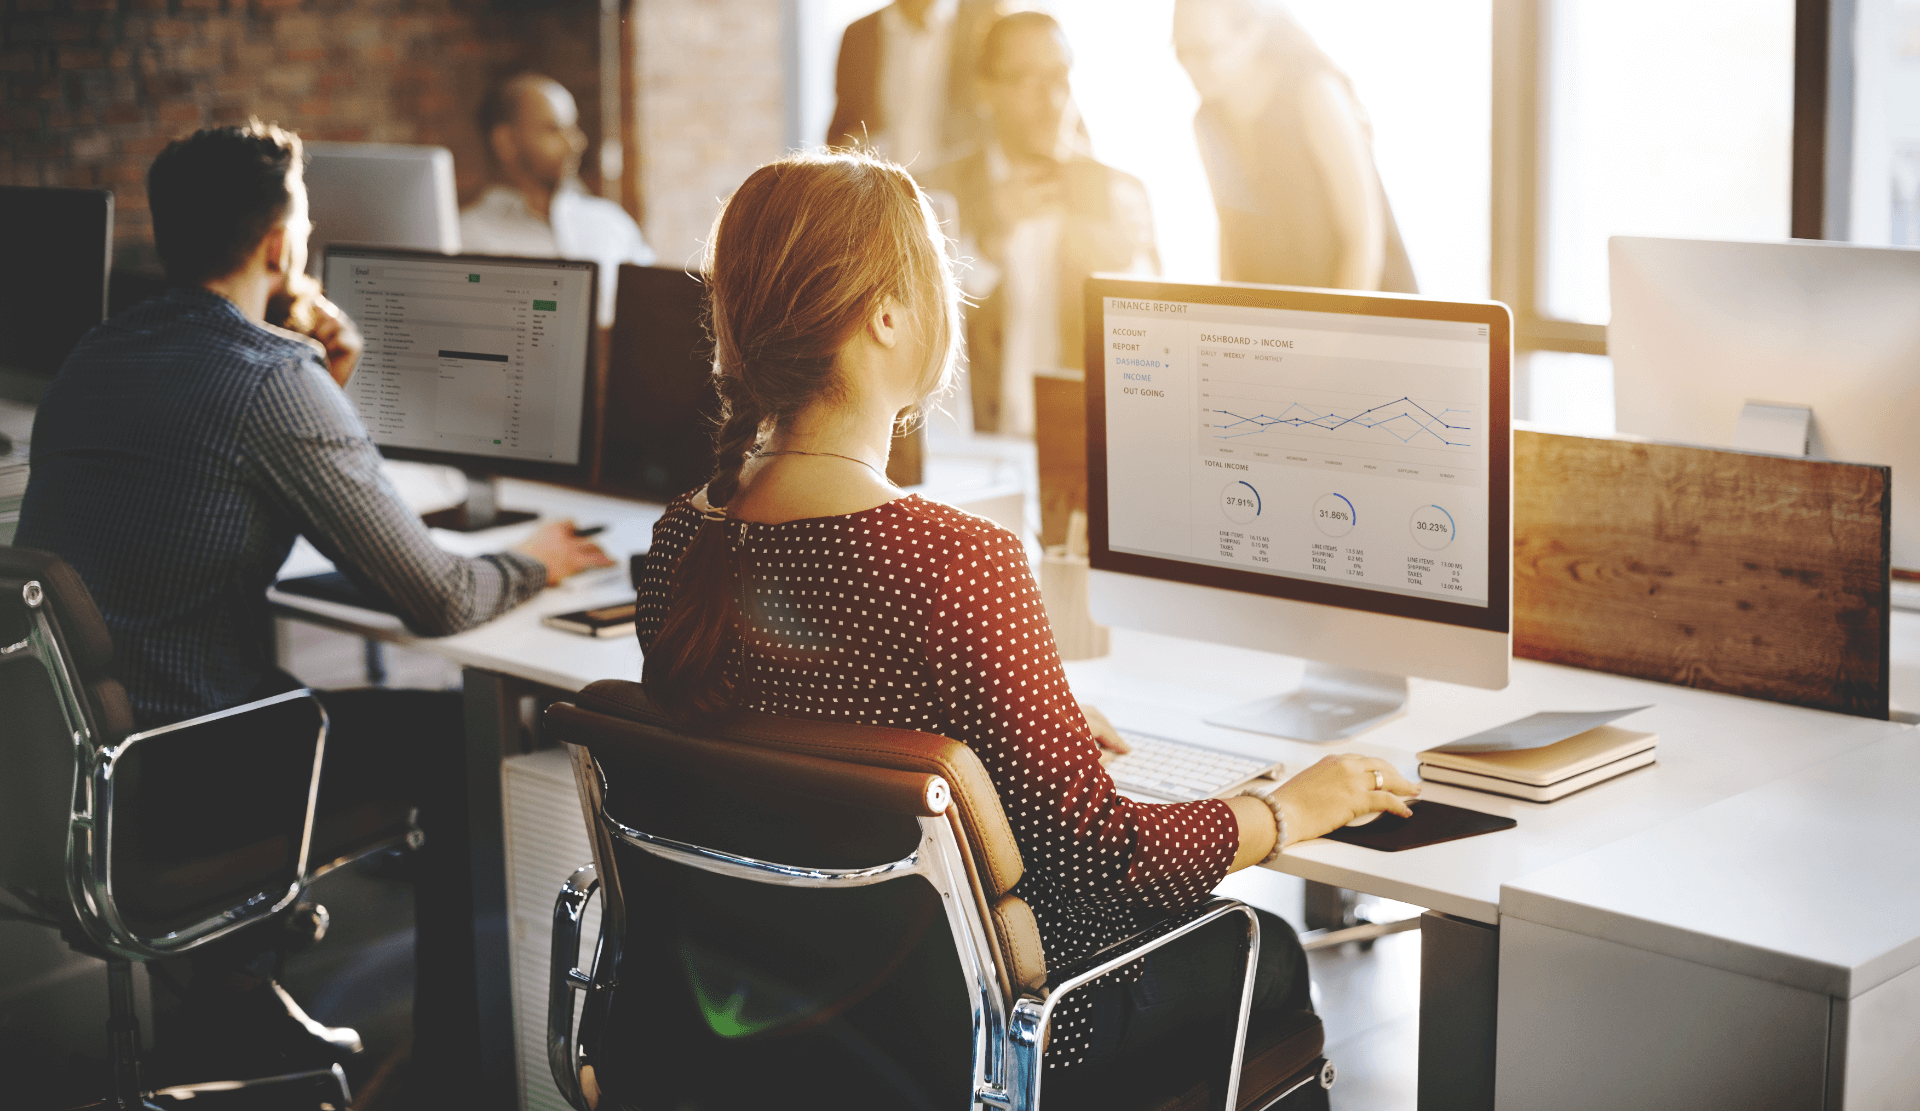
(800, 257)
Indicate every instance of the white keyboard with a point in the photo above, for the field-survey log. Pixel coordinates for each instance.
(1174, 771)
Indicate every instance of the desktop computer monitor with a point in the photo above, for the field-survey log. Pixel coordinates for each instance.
(1701, 328)
(1322, 474)
(476, 362)
(661, 407)
(389, 194)
(59, 246)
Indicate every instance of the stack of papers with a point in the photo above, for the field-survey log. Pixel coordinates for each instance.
(1542, 757)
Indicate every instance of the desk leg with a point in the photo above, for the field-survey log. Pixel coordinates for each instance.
(493, 729)
(1459, 995)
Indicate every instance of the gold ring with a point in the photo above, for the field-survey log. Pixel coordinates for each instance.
(1379, 781)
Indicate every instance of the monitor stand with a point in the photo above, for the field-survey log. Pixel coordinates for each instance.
(1330, 704)
(480, 511)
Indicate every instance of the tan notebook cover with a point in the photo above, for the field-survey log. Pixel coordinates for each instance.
(1548, 793)
(1548, 764)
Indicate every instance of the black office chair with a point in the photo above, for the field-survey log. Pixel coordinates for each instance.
(117, 839)
(800, 913)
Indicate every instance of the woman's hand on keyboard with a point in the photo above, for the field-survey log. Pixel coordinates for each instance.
(1339, 789)
(1112, 745)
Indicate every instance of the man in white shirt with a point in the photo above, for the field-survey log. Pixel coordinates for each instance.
(532, 129)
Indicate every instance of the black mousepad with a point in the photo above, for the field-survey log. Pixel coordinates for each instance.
(1432, 823)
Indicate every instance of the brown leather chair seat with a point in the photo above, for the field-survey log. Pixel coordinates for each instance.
(716, 850)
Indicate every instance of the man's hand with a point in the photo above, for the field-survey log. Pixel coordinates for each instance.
(1111, 744)
(555, 545)
(300, 308)
(336, 332)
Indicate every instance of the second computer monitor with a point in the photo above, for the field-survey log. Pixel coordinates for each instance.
(385, 194)
(1322, 474)
(478, 362)
(1702, 327)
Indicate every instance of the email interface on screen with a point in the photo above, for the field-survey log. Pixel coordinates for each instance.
(1322, 446)
(480, 358)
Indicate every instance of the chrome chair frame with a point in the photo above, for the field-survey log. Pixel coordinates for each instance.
(90, 842)
(90, 851)
(1009, 1036)
(90, 825)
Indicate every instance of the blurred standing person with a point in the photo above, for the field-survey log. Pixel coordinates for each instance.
(531, 127)
(1036, 216)
(1289, 153)
(903, 87)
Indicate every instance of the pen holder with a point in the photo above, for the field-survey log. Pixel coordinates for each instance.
(1063, 587)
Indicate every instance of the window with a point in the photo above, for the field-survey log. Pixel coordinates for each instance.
(1421, 69)
(1883, 198)
(1661, 117)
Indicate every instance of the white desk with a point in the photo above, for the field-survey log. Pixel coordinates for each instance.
(1760, 952)
(1714, 748)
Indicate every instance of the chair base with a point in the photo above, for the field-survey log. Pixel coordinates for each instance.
(331, 1092)
(1305, 1090)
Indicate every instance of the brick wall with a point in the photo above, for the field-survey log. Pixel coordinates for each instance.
(91, 90)
(712, 102)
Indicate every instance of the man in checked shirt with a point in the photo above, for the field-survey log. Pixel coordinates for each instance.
(183, 446)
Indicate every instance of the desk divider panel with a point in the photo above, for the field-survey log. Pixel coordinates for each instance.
(1060, 447)
(1756, 575)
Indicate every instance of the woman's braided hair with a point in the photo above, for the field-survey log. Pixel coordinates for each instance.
(801, 255)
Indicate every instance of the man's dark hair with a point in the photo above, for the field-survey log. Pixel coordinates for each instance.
(216, 193)
(987, 61)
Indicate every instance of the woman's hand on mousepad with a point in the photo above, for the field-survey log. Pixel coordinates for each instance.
(1432, 823)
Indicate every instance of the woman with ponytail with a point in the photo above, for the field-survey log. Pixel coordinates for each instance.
(800, 582)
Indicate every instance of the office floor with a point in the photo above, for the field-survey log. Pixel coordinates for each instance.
(1368, 999)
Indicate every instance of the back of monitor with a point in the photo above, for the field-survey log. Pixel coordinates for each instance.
(58, 249)
(1702, 327)
(381, 194)
(660, 406)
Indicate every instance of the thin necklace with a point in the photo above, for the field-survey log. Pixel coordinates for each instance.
(832, 454)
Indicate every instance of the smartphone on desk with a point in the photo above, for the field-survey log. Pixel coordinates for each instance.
(602, 621)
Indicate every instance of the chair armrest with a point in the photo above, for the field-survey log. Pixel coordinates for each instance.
(168, 762)
(1027, 1024)
(1077, 973)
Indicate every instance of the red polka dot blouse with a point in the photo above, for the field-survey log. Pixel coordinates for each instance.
(918, 616)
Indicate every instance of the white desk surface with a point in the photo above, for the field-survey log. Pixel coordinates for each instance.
(516, 643)
(982, 474)
(1712, 746)
(1809, 881)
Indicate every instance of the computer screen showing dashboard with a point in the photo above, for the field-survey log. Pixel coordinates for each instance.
(470, 356)
(1310, 445)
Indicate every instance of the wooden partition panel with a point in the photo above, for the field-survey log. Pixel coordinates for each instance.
(1060, 444)
(1756, 575)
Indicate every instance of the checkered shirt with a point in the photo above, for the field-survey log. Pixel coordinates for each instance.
(177, 455)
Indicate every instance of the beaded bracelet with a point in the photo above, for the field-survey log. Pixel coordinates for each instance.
(1271, 796)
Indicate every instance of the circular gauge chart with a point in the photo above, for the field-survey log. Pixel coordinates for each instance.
(1432, 527)
(1334, 515)
(1240, 502)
